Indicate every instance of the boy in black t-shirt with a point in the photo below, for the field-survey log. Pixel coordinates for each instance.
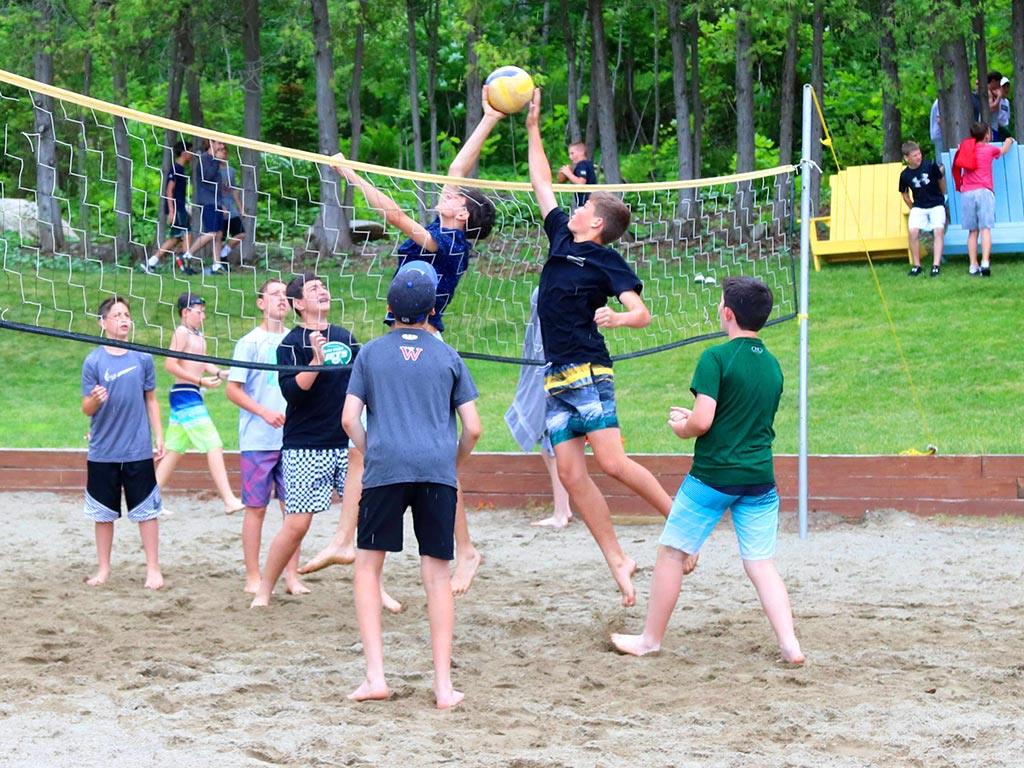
(580, 274)
(923, 187)
(315, 446)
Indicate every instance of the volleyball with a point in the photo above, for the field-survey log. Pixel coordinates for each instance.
(509, 89)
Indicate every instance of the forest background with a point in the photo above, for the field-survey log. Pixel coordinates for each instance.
(658, 89)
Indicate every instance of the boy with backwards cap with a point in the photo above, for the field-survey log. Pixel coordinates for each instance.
(411, 385)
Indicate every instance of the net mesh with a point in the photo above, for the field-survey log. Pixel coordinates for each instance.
(81, 211)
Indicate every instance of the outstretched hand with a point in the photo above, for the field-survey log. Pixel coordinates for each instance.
(490, 111)
(533, 111)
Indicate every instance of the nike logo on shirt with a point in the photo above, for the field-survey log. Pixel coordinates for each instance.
(108, 376)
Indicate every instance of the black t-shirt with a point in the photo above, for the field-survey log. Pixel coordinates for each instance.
(313, 417)
(923, 183)
(586, 169)
(576, 281)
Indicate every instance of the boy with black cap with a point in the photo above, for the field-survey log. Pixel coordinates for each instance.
(412, 385)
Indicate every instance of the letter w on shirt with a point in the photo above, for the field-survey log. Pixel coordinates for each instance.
(411, 353)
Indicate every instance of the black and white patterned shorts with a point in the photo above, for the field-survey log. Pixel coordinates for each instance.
(311, 476)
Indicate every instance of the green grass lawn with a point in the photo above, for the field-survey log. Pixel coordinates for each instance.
(957, 335)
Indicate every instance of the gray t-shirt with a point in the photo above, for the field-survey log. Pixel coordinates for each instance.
(119, 430)
(411, 383)
(227, 196)
(258, 346)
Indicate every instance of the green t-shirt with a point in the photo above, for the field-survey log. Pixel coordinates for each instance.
(745, 380)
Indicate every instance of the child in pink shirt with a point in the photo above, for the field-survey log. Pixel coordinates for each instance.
(977, 194)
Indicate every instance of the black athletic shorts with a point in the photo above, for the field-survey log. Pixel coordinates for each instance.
(382, 512)
(104, 482)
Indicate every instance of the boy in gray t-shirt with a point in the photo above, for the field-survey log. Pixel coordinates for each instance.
(119, 397)
(412, 385)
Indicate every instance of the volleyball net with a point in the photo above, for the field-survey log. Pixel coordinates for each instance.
(81, 213)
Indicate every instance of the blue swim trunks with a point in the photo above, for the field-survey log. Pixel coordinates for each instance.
(580, 400)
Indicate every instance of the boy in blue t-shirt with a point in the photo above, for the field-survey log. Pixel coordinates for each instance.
(413, 388)
(119, 397)
(464, 216)
(580, 274)
(737, 387)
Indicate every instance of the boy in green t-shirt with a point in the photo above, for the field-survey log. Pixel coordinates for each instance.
(737, 386)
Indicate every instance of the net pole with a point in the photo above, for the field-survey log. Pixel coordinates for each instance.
(806, 169)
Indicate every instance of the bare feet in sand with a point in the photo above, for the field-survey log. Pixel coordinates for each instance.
(100, 578)
(465, 572)
(233, 505)
(448, 699)
(154, 579)
(252, 587)
(259, 602)
(295, 587)
(791, 654)
(635, 645)
(555, 521)
(368, 692)
(331, 555)
(623, 575)
(390, 604)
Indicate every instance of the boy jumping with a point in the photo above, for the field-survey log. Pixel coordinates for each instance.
(580, 273)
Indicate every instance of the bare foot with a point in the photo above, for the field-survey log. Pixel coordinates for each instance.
(367, 692)
(154, 579)
(331, 555)
(791, 654)
(465, 572)
(690, 563)
(295, 587)
(553, 522)
(259, 602)
(101, 576)
(623, 575)
(165, 512)
(634, 645)
(252, 586)
(233, 505)
(449, 698)
(390, 604)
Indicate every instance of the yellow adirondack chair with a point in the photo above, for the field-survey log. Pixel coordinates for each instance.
(868, 216)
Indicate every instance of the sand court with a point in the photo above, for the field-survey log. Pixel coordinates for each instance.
(913, 630)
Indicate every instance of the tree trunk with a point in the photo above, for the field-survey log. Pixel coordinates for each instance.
(1017, 37)
(696, 104)
(656, 71)
(956, 111)
(787, 112)
(981, 60)
(123, 166)
(172, 111)
(892, 118)
(744, 122)
(571, 84)
(355, 110)
(252, 121)
(686, 211)
(474, 80)
(327, 228)
(818, 84)
(433, 49)
(602, 97)
(51, 233)
(414, 102)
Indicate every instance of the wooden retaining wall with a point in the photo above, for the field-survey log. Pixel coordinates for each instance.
(840, 485)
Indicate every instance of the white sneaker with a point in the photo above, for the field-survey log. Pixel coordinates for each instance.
(225, 252)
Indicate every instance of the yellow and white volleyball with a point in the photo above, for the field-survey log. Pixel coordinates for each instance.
(509, 89)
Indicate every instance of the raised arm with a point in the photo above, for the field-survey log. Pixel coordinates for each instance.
(540, 170)
(468, 155)
(393, 215)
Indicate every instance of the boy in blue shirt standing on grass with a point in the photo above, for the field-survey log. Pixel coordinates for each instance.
(737, 386)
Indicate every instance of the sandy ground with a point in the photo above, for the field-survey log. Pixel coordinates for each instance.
(913, 629)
